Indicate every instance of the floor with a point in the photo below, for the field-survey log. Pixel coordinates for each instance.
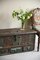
(22, 56)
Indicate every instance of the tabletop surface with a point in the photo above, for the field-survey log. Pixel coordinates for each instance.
(6, 32)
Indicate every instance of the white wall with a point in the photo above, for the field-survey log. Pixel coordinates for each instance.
(6, 8)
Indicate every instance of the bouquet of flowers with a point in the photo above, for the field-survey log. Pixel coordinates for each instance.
(22, 15)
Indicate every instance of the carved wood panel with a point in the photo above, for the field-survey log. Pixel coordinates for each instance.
(17, 43)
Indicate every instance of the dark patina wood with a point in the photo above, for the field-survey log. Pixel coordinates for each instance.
(16, 40)
(6, 32)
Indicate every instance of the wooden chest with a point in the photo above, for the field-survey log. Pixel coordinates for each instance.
(16, 40)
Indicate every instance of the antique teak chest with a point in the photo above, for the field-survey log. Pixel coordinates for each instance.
(16, 40)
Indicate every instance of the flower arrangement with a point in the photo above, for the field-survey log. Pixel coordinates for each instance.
(22, 15)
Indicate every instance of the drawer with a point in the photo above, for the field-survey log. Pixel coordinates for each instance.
(28, 48)
(16, 50)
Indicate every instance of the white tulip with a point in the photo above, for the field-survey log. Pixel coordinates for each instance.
(28, 17)
(23, 17)
(30, 14)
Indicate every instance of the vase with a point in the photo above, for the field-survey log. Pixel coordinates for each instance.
(27, 25)
(23, 26)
